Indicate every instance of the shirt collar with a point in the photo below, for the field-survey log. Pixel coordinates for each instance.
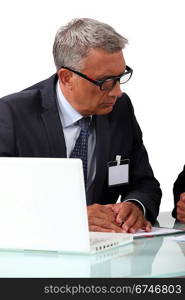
(68, 114)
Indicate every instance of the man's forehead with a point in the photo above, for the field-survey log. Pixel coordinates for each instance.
(102, 63)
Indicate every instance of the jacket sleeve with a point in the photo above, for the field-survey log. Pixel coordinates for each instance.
(143, 185)
(178, 188)
(7, 136)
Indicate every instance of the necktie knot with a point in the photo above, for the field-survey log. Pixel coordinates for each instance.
(84, 123)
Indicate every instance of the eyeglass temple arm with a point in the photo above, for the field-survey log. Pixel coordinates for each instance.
(97, 82)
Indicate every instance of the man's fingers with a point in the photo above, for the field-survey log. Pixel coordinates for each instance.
(180, 212)
(101, 223)
(124, 212)
(182, 197)
(181, 205)
(129, 215)
(100, 211)
(148, 226)
(138, 224)
(99, 229)
(132, 218)
(181, 209)
(181, 216)
(141, 223)
(100, 216)
(115, 207)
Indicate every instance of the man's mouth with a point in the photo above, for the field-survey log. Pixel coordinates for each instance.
(109, 103)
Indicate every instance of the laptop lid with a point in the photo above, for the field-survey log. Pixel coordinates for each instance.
(43, 204)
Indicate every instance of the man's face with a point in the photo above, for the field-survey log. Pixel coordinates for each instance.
(86, 97)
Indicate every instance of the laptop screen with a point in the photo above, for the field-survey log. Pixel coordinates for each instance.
(43, 205)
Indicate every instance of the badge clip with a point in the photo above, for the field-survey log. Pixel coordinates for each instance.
(118, 159)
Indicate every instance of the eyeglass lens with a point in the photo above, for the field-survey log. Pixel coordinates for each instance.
(109, 84)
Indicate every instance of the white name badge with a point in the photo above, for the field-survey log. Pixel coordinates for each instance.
(118, 172)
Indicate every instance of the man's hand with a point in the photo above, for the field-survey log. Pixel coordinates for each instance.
(102, 218)
(120, 217)
(181, 208)
(130, 217)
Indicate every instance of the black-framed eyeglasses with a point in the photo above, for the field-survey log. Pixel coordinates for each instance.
(107, 83)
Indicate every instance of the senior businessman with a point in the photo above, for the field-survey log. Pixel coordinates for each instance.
(81, 112)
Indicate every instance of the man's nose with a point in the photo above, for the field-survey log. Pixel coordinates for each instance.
(116, 91)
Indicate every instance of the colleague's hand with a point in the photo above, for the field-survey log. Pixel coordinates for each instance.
(130, 217)
(102, 218)
(181, 208)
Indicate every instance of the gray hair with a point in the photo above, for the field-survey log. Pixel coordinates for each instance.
(74, 41)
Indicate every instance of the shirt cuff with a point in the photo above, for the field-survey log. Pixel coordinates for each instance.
(135, 200)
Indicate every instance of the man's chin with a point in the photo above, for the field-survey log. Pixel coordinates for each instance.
(105, 110)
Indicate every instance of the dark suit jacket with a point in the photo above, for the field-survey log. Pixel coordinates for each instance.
(178, 188)
(30, 127)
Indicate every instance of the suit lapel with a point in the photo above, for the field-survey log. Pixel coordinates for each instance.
(51, 119)
(102, 153)
(55, 133)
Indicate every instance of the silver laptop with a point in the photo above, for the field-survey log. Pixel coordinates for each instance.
(43, 207)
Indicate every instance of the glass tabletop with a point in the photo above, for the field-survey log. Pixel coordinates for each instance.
(159, 256)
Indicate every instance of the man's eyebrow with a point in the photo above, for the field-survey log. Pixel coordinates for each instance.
(109, 76)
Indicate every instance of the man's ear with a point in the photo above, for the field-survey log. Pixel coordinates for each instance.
(65, 78)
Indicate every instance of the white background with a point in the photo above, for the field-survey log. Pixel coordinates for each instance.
(156, 52)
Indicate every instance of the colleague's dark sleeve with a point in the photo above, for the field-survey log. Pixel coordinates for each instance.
(7, 136)
(178, 188)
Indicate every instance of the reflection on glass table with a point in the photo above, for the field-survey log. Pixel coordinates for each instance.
(158, 256)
